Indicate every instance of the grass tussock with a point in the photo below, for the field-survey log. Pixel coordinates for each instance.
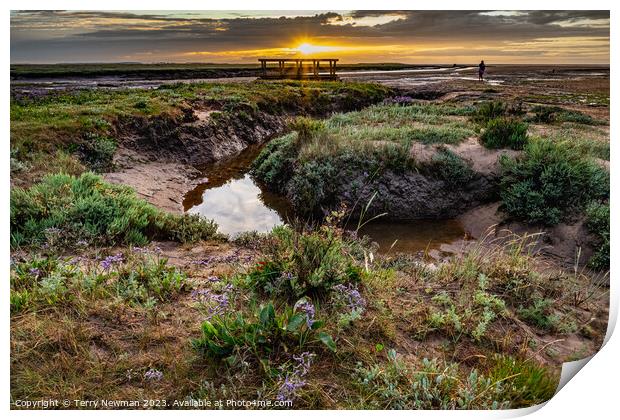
(550, 182)
(63, 210)
(505, 133)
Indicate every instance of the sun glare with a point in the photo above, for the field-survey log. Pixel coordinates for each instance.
(307, 48)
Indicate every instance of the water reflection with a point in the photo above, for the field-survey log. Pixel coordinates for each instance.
(237, 207)
(413, 236)
(232, 198)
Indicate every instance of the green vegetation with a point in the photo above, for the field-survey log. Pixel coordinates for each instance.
(305, 164)
(488, 111)
(451, 168)
(63, 210)
(550, 182)
(555, 114)
(267, 345)
(309, 263)
(505, 133)
(524, 382)
(597, 222)
(267, 334)
(282, 315)
(436, 385)
(65, 129)
(136, 278)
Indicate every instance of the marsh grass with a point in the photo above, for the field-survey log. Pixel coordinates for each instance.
(88, 209)
(550, 182)
(224, 337)
(83, 122)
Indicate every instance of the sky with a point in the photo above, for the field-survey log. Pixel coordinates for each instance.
(418, 37)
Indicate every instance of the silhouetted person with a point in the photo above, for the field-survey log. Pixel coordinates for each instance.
(481, 69)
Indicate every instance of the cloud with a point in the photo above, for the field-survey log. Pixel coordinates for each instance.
(63, 36)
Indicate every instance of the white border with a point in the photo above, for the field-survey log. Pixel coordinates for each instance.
(592, 394)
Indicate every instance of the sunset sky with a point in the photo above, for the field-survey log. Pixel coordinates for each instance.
(429, 37)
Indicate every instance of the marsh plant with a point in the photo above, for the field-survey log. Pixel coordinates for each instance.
(305, 263)
(550, 182)
(86, 208)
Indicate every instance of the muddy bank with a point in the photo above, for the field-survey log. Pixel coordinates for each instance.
(158, 155)
(412, 195)
(161, 184)
(567, 243)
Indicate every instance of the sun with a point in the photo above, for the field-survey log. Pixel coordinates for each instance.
(307, 48)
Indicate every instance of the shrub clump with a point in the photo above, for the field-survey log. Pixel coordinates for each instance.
(305, 263)
(597, 222)
(97, 151)
(549, 182)
(265, 333)
(451, 168)
(488, 111)
(71, 209)
(505, 132)
(552, 114)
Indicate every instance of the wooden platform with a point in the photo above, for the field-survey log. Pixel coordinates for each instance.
(298, 68)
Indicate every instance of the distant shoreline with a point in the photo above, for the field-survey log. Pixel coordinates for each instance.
(210, 70)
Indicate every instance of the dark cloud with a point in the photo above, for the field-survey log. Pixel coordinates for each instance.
(59, 36)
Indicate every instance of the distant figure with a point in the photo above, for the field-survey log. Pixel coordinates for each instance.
(481, 69)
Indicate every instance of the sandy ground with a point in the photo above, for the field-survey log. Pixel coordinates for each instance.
(163, 184)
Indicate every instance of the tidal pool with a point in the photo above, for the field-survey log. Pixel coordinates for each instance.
(230, 196)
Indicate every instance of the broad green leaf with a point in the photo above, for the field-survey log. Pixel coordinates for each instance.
(267, 314)
(327, 340)
(295, 322)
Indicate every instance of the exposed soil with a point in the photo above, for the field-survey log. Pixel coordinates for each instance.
(566, 243)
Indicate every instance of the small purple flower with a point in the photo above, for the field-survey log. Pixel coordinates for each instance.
(288, 388)
(139, 250)
(398, 100)
(294, 380)
(35, 272)
(217, 303)
(352, 296)
(153, 375)
(308, 308)
(112, 259)
(304, 360)
(214, 279)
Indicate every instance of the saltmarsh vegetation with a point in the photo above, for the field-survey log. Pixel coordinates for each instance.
(550, 182)
(310, 305)
(63, 210)
(301, 306)
(311, 163)
(73, 131)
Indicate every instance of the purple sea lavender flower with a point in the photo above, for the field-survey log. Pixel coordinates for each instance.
(216, 303)
(288, 388)
(112, 259)
(308, 308)
(294, 380)
(153, 375)
(352, 296)
(304, 360)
